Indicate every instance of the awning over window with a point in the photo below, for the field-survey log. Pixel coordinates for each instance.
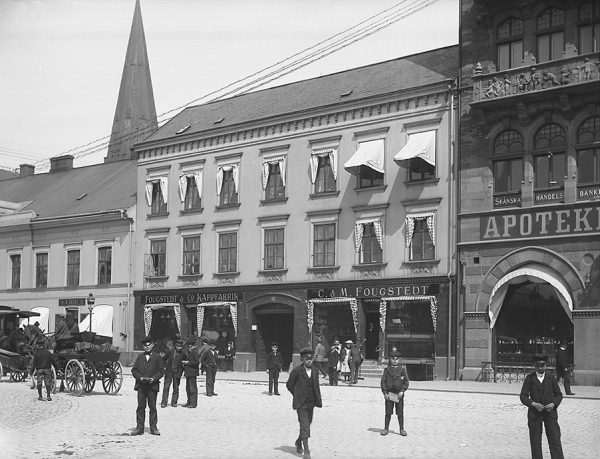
(420, 145)
(164, 186)
(267, 162)
(102, 321)
(359, 227)
(183, 183)
(369, 154)
(44, 314)
(535, 273)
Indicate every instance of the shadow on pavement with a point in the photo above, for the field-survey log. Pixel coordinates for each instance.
(287, 449)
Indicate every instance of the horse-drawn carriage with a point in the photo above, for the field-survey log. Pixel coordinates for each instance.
(15, 351)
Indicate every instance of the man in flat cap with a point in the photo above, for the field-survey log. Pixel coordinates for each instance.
(147, 371)
(173, 371)
(541, 394)
(303, 384)
(274, 366)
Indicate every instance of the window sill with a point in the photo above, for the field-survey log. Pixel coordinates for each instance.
(321, 269)
(227, 206)
(273, 201)
(227, 274)
(185, 277)
(156, 278)
(156, 216)
(191, 211)
(433, 181)
(267, 272)
(369, 266)
(328, 194)
(103, 285)
(71, 287)
(371, 188)
(431, 262)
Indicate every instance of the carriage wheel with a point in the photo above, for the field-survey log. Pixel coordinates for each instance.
(112, 378)
(18, 375)
(1, 370)
(90, 377)
(75, 377)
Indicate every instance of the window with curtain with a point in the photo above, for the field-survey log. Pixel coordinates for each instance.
(192, 196)
(41, 269)
(370, 250)
(324, 245)
(228, 252)
(73, 263)
(158, 206)
(325, 181)
(507, 165)
(191, 255)
(550, 35)
(104, 265)
(509, 44)
(589, 27)
(550, 161)
(275, 188)
(15, 266)
(368, 177)
(421, 245)
(588, 152)
(274, 248)
(158, 253)
(229, 193)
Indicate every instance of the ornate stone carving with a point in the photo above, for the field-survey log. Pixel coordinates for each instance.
(323, 276)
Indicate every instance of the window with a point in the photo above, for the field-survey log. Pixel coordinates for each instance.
(589, 27)
(228, 192)
(549, 157)
(588, 152)
(41, 269)
(369, 178)
(323, 170)
(191, 255)
(73, 262)
(227, 252)
(367, 162)
(508, 172)
(274, 248)
(158, 253)
(409, 327)
(420, 232)
(550, 42)
(192, 195)
(15, 265)
(324, 245)
(509, 46)
(158, 206)
(275, 184)
(104, 265)
(370, 245)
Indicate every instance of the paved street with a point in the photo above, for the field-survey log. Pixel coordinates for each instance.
(244, 422)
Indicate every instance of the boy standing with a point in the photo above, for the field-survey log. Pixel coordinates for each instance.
(303, 384)
(147, 371)
(42, 363)
(173, 372)
(394, 382)
(209, 361)
(274, 365)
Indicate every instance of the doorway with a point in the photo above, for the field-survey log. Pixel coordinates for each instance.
(274, 323)
(371, 336)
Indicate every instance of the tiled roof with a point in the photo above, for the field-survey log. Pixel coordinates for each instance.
(377, 79)
(109, 186)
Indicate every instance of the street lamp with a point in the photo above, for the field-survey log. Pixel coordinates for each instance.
(90, 304)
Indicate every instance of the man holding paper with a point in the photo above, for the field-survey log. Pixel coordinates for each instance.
(394, 382)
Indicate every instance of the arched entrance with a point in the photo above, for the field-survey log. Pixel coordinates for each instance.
(274, 322)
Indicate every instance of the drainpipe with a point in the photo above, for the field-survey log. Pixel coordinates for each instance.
(450, 240)
(129, 333)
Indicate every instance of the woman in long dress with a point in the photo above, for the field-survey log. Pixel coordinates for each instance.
(345, 359)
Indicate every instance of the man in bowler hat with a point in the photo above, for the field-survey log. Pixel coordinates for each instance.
(303, 384)
(209, 361)
(541, 394)
(147, 371)
(173, 372)
(274, 366)
(191, 368)
(333, 361)
(562, 366)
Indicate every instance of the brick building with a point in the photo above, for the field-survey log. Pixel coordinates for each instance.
(529, 216)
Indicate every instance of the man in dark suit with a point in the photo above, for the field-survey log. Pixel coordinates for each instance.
(209, 361)
(541, 394)
(303, 384)
(173, 372)
(356, 360)
(332, 363)
(562, 366)
(147, 371)
(191, 369)
(274, 366)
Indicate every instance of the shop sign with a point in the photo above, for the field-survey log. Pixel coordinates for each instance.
(588, 192)
(71, 301)
(374, 291)
(192, 297)
(576, 219)
(507, 200)
(542, 197)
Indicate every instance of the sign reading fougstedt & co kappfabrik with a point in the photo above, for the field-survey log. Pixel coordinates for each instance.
(191, 297)
(556, 221)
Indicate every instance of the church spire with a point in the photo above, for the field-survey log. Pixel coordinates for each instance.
(135, 115)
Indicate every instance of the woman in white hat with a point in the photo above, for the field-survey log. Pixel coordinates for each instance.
(345, 359)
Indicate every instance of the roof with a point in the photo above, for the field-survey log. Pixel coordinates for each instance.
(387, 77)
(108, 186)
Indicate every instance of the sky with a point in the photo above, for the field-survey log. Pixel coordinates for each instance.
(61, 60)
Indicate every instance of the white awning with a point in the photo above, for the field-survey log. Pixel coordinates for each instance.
(44, 314)
(102, 321)
(419, 145)
(369, 154)
(535, 273)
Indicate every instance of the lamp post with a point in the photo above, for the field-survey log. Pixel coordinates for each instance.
(90, 304)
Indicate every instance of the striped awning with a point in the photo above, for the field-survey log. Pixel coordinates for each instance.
(420, 145)
(369, 154)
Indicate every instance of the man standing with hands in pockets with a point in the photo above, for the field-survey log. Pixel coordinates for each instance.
(147, 371)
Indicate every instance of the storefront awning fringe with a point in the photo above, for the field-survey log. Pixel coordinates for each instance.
(232, 305)
(432, 307)
(152, 307)
(310, 307)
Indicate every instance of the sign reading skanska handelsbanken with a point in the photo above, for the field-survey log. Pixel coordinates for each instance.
(564, 220)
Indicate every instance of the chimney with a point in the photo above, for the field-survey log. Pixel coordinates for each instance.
(61, 163)
(25, 170)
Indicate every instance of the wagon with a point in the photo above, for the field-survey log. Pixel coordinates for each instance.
(15, 354)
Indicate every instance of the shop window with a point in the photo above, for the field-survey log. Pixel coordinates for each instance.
(227, 184)
(41, 269)
(324, 245)
(191, 255)
(509, 47)
(15, 267)
(192, 195)
(507, 166)
(550, 38)
(325, 181)
(409, 327)
(228, 252)
(589, 27)
(549, 157)
(158, 254)
(104, 265)
(588, 152)
(274, 248)
(73, 265)
(275, 188)
(370, 250)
